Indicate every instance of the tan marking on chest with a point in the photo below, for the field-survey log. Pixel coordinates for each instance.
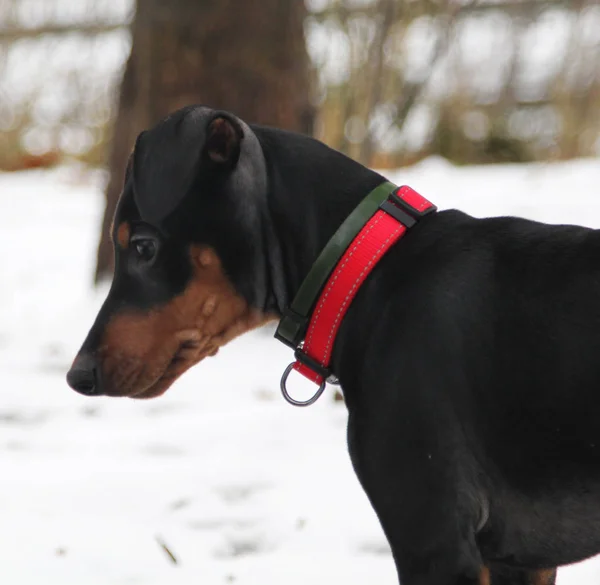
(484, 576)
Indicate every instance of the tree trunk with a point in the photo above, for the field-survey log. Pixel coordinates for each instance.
(246, 57)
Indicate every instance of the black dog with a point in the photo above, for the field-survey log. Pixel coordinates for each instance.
(469, 360)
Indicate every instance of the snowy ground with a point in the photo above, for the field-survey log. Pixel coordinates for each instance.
(241, 487)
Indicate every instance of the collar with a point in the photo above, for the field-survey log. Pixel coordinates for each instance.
(310, 324)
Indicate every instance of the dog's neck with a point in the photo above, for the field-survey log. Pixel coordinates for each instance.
(312, 190)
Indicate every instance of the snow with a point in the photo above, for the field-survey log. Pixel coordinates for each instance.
(240, 486)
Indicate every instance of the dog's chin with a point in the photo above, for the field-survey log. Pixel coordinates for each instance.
(154, 391)
(176, 368)
(159, 386)
(153, 376)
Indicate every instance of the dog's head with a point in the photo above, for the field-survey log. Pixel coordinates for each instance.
(190, 269)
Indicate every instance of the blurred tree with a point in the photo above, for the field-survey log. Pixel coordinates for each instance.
(247, 57)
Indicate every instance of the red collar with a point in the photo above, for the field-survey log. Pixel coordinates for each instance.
(400, 211)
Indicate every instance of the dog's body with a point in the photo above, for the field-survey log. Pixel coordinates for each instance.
(468, 360)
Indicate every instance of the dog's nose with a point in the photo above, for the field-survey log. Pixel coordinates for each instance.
(83, 375)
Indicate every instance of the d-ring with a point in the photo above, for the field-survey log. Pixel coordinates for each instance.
(287, 396)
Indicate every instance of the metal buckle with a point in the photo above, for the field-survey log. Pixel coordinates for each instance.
(293, 401)
(315, 366)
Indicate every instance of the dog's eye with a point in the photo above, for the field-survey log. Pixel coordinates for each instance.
(145, 249)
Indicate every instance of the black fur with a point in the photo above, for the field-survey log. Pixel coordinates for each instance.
(468, 360)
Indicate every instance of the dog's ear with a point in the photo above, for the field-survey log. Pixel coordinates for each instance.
(223, 140)
(167, 159)
(163, 175)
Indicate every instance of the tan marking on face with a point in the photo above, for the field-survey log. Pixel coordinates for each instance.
(209, 306)
(143, 353)
(542, 577)
(123, 233)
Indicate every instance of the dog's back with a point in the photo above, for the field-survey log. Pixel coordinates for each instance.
(483, 362)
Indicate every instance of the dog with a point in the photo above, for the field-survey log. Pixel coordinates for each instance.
(469, 358)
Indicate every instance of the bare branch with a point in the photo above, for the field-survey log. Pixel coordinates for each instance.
(13, 34)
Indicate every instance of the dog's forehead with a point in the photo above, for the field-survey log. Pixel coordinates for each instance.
(165, 162)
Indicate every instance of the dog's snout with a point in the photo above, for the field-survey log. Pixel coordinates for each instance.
(83, 376)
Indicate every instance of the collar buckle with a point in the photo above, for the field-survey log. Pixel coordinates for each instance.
(407, 213)
(311, 363)
(291, 328)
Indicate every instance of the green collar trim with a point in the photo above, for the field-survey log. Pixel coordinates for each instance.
(295, 319)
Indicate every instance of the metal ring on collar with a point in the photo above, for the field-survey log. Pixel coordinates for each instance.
(291, 400)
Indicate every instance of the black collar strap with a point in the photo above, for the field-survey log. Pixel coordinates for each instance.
(295, 318)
